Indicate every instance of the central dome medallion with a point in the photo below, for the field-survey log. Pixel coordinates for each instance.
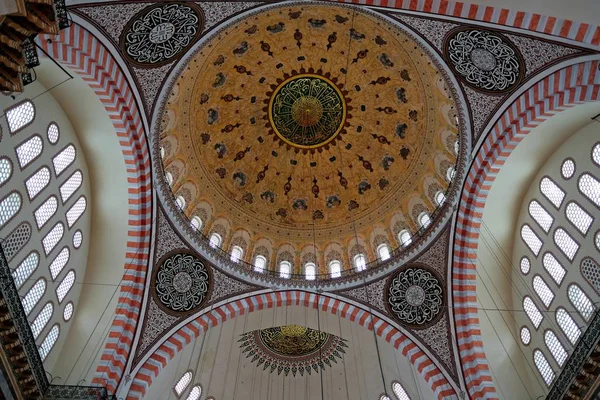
(309, 125)
(307, 111)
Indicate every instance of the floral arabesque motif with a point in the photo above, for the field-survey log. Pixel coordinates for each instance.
(159, 33)
(484, 60)
(415, 296)
(182, 282)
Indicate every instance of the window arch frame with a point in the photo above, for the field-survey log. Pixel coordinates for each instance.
(255, 267)
(68, 164)
(404, 243)
(9, 219)
(217, 242)
(387, 249)
(424, 216)
(198, 222)
(239, 257)
(356, 262)
(285, 274)
(14, 107)
(335, 274)
(180, 393)
(313, 276)
(10, 172)
(32, 159)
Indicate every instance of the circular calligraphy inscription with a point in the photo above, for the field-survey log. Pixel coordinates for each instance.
(159, 33)
(307, 111)
(415, 297)
(182, 282)
(484, 60)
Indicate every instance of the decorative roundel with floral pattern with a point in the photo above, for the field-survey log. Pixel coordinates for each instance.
(415, 297)
(161, 32)
(484, 60)
(182, 282)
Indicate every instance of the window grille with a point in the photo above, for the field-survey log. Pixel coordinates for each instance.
(45, 211)
(34, 295)
(579, 217)
(543, 291)
(567, 325)
(543, 367)
(525, 335)
(540, 215)
(531, 239)
(42, 319)
(567, 169)
(29, 151)
(404, 238)
(63, 159)
(554, 268)
(310, 271)
(534, 314)
(335, 268)
(552, 192)
(383, 251)
(53, 133)
(37, 182)
(25, 269)
(285, 269)
(70, 186)
(581, 301)
(590, 187)
(260, 262)
(65, 286)
(525, 265)
(49, 342)
(9, 207)
(215, 240)
(236, 253)
(556, 348)
(20, 116)
(68, 311)
(360, 262)
(53, 237)
(399, 391)
(5, 170)
(565, 243)
(183, 383)
(76, 210)
(59, 262)
(77, 239)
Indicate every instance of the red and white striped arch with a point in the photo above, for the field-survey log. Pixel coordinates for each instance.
(157, 361)
(563, 28)
(565, 88)
(82, 52)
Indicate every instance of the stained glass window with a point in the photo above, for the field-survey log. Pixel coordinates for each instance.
(532, 312)
(37, 182)
(29, 150)
(9, 207)
(45, 211)
(567, 325)
(76, 211)
(552, 192)
(49, 342)
(63, 159)
(20, 116)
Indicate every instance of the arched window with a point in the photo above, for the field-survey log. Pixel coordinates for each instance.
(68, 311)
(53, 133)
(195, 393)
(565, 243)
(399, 391)
(552, 192)
(9, 207)
(596, 154)
(543, 291)
(70, 186)
(169, 178)
(556, 348)
(534, 314)
(456, 147)
(46, 211)
(53, 237)
(260, 262)
(183, 383)
(236, 253)
(580, 301)
(30, 150)
(383, 251)
(310, 271)
(26, 268)
(215, 240)
(567, 325)
(553, 267)
(5, 170)
(34, 295)
(77, 239)
(404, 238)
(543, 366)
(424, 220)
(76, 211)
(285, 269)
(65, 286)
(540, 215)
(360, 262)
(196, 223)
(567, 169)
(63, 159)
(180, 202)
(59, 262)
(49, 342)
(37, 182)
(162, 153)
(335, 269)
(525, 335)
(450, 173)
(579, 217)
(42, 319)
(19, 116)
(531, 239)
(590, 187)
(440, 198)
(525, 265)
(384, 397)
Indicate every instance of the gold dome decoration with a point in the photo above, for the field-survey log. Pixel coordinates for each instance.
(311, 123)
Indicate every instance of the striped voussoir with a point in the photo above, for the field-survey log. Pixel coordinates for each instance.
(81, 51)
(157, 361)
(565, 88)
(567, 29)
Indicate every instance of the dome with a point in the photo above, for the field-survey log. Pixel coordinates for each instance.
(293, 130)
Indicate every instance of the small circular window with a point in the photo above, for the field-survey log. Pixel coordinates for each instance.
(525, 265)
(68, 311)
(77, 239)
(568, 168)
(53, 133)
(525, 335)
